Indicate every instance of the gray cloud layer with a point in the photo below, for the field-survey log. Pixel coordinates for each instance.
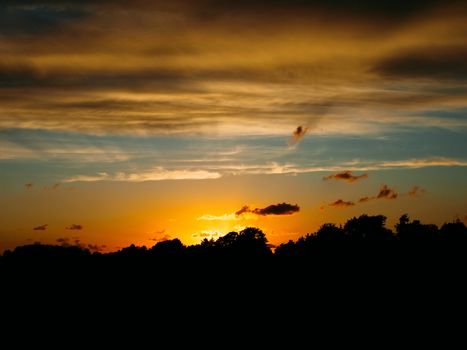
(236, 67)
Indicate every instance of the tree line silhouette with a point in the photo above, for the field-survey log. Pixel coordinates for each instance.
(363, 240)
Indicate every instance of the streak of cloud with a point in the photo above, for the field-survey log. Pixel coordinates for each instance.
(157, 174)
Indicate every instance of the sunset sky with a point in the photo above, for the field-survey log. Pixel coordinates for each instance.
(137, 121)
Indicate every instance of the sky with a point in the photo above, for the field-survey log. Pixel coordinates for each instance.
(138, 121)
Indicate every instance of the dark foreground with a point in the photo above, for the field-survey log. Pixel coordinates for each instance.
(353, 283)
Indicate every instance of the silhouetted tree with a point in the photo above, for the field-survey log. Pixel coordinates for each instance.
(368, 228)
(415, 232)
(168, 248)
(454, 232)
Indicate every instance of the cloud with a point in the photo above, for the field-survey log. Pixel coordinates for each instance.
(54, 187)
(415, 191)
(65, 241)
(96, 247)
(41, 227)
(434, 62)
(207, 234)
(365, 199)
(424, 162)
(193, 58)
(298, 135)
(247, 213)
(386, 192)
(277, 209)
(162, 238)
(76, 242)
(223, 217)
(27, 18)
(341, 204)
(156, 174)
(243, 210)
(345, 176)
(29, 185)
(74, 227)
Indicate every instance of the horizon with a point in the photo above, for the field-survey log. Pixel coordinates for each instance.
(135, 122)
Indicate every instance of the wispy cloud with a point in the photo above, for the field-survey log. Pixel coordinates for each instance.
(346, 176)
(156, 174)
(424, 162)
(340, 203)
(223, 217)
(41, 227)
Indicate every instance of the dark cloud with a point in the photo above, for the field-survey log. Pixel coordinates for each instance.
(163, 237)
(65, 241)
(416, 191)
(29, 185)
(96, 247)
(341, 204)
(365, 199)
(297, 135)
(35, 17)
(74, 227)
(274, 209)
(41, 227)
(17, 75)
(386, 192)
(395, 10)
(243, 210)
(277, 209)
(346, 176)
(431, 62)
